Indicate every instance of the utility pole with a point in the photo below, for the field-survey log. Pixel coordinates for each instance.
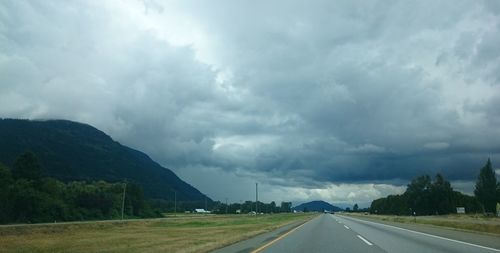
(123, 199)
(175, 203)
(206, 203)
(256, 198)
(226, 205)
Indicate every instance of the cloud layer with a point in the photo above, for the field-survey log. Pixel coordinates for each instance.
(294, 95)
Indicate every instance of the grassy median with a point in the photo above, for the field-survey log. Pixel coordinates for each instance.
(475, 223)
(181, 234)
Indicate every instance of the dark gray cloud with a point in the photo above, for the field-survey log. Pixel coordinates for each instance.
(305, 98)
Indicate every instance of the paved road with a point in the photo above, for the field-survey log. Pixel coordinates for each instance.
(333, 233)
(322, 234)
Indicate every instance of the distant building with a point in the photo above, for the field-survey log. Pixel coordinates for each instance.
(460, 210)
(200, 210)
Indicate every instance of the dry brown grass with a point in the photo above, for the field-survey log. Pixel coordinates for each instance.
(188, 234)
(476, 223)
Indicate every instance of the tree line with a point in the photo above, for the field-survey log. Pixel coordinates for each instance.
(26, 196)
(219, 207)
(250, 206)
(424, 196)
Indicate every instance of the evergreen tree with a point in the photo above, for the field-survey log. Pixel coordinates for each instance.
(355, 208)
(486, 188)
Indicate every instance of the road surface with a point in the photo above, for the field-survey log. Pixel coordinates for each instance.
(333, 233)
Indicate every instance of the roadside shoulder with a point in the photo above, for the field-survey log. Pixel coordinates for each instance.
(254, 243)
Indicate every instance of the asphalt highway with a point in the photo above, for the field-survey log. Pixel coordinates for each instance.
(334, 233)
(323, 234)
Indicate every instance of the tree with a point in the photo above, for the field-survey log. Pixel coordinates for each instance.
(486, 188)
(5, 183)
(418, 195)
(27, 167)
(392, 204)
(441, 196)
(286, 207)
(25, 201)
(272, 206)
(355, 207)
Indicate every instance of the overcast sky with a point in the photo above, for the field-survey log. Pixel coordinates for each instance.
(344, 101)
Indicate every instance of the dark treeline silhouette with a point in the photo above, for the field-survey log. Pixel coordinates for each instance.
(249, 206)
(219, 207)
(426, 197)
(28, 197)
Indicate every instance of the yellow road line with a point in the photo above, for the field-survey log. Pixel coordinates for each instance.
(261, 248)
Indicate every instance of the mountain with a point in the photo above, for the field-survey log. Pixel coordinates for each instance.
(72, 151)
(317, 206)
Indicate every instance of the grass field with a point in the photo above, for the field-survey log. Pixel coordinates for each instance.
(177, 234)
(476, 223)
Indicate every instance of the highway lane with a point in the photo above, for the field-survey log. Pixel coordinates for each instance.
(322, 234)
(394, 239)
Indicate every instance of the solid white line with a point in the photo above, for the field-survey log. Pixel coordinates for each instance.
(364, 240)
(346, 226)
(420, 233)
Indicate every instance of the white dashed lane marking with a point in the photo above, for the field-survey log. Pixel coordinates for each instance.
(364, 240)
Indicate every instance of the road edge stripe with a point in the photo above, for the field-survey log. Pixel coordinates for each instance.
(263, 247)
(421, 233)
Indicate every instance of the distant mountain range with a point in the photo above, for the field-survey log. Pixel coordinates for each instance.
(317, 206)
(73, 151)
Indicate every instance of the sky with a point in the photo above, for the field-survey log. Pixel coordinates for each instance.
(344, 101)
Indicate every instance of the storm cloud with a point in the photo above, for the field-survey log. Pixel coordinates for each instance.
(340, 100)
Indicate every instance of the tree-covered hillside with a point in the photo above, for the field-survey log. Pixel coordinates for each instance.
(71, 151)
